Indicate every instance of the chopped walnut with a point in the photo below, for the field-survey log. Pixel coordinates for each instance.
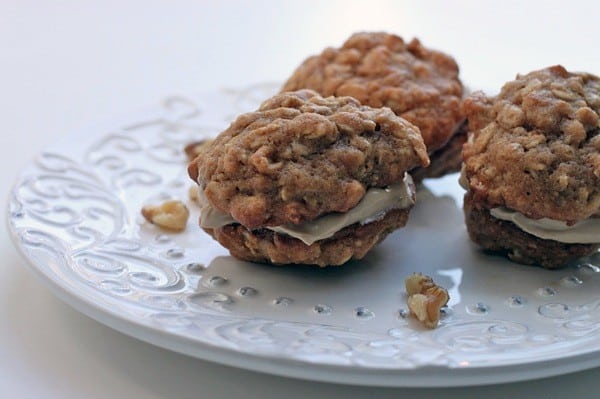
(170, 215)
(193, 149)
(425, 298)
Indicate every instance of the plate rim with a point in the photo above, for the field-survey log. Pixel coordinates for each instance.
(436, 376)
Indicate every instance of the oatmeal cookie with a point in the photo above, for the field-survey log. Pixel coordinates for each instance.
(298, 159)
(382, 70)
(534, 151)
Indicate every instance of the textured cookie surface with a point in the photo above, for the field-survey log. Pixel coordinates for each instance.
(535, 147)
(505, 237)
(447, 159)
(382, 70)
(352, 242)
(301, 156)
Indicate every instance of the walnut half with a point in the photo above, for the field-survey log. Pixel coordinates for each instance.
(170, 215)
(425, 298)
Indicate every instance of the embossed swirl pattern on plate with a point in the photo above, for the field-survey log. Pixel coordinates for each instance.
(82, 210)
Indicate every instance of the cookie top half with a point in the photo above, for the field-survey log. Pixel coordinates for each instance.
(382, 70)
(535, 147)
(300, 156)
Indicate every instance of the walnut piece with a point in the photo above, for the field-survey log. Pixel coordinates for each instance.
(425, 298)
(170, 215)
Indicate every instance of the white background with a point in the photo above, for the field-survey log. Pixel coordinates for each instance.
(68, 64)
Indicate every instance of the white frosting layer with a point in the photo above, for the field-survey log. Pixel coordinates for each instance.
(373, 206)
(585, 232)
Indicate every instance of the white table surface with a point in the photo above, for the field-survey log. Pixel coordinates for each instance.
(68, 64)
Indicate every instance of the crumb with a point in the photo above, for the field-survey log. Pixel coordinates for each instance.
(194, 194)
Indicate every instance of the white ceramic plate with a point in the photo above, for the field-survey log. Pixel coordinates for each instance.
(75, 215)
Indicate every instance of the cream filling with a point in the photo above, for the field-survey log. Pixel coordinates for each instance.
(584, 232)
(373, 206)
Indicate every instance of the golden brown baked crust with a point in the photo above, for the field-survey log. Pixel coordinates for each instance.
(506, 238)
(301, 156)
(352, 242)
(535, 148)
(381, 70)
(447, 159)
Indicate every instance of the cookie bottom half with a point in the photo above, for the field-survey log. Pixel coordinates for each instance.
(266, 246)
(506, 238)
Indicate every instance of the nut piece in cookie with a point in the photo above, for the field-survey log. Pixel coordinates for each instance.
(425, 299)
(532, 168)
(382, 70)
(308, 180)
